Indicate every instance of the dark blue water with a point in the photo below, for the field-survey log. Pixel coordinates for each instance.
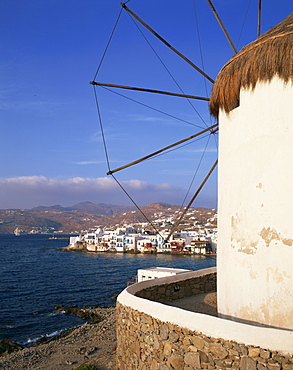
(34, 277)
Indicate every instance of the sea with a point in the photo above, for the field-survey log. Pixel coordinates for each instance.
(35, 275)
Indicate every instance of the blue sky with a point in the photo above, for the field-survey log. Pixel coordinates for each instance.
(51, 148)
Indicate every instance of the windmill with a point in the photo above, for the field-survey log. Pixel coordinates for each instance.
(209, 130)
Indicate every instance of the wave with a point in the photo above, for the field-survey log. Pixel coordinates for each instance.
(45, 337)
(55, 313)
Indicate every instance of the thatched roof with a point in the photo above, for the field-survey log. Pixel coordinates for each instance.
(268, 56)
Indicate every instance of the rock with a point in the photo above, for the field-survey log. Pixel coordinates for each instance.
(247, 363)
(173, 337)
(58, 307)
(177, 362)
(6, 346)
(192, 359)
(164, 332)
(83, 312)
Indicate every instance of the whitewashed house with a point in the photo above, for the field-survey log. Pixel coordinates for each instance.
(162, 246)
(73, 241)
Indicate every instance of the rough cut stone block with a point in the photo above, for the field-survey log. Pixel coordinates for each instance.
(177, 362)
(186, 340)
(156, 342)
(273, 366)
(247, 363)
(203, 357)
(218, 350)
(173, 337)
(228, 362)
(261, 367)
(233, 352)
(164, 332)
(198, 342)
(219, 364)
(163, 367)
(192, 359)
(265, 354)
(167, 349)
(279, 358)
(244, 350)
(253, 352)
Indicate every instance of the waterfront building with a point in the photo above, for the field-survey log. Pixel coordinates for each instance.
(163, 246)
(120, 240)
(144, 244)
(199, 246)
(93, 238)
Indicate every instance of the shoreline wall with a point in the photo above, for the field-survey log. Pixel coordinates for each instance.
(152, 335)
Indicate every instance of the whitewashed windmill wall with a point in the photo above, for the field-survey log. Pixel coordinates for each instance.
(255, 241)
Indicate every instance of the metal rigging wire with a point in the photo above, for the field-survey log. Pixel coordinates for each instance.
(103, 135)
(137, 206)
(149, 107)
(199, 44)
(166, 68)
(196, 172)
(243, 23)
(108, 43)
(102, 129)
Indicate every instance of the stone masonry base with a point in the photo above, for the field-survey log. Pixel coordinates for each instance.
(145, 343)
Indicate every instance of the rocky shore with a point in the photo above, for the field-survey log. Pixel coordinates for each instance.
(92, 343)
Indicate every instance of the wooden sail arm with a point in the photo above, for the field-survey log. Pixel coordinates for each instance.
(222, 26)
(149, 90)
(191, 201)
(162, 150)
(259, 18)
(166, 43)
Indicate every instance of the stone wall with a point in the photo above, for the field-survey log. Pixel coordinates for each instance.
(155, 342)
(145, 343)
(180, 289)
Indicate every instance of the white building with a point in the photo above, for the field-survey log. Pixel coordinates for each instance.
(146, 244)
(157, 272)
(163, 246)
(253, 95)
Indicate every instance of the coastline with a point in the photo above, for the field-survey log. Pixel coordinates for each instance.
(169, 253)
(91, 343)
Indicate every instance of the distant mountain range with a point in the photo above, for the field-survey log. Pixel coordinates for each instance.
(86, 215)
(100, 209)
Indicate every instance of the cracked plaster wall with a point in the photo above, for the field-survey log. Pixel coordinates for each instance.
(255, 242)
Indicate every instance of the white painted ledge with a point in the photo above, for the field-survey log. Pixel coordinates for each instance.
(267, 338)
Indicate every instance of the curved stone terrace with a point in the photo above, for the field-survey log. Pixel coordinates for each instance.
(171, 323)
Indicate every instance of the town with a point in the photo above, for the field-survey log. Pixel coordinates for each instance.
(201, 240)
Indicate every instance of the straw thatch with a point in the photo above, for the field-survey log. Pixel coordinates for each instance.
(268, 56)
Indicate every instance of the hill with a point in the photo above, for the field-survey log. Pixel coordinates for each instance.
(88, 207)
(86, 216)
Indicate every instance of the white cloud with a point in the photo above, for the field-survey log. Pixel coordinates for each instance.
(85, 163)
(31, 191)
(201, 150)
